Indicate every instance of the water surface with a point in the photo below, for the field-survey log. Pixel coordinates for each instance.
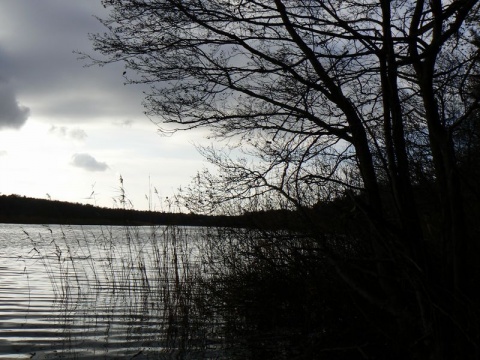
(86, 292)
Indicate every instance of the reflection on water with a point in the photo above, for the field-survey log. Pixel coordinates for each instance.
(96, 292)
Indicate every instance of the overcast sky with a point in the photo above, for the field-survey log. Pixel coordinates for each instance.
(68, 132)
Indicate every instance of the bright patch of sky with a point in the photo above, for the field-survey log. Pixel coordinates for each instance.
(68, 132)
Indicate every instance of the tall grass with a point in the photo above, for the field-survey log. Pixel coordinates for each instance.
(197, 293)
(136, 282)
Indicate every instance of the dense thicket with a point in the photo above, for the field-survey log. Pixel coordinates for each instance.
(374, 101)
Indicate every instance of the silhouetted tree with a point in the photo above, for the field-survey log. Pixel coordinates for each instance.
(323, 97)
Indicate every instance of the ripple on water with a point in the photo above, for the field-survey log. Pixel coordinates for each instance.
(79, 296)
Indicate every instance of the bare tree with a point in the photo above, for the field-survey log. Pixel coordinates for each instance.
(322, 96)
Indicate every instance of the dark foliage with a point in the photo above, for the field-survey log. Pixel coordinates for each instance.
(369, 107)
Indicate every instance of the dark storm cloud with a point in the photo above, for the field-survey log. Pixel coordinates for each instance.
(88, 162)
(12, 114)
(36, 49)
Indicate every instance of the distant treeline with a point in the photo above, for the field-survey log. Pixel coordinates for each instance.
(20, 209)
(24, 210)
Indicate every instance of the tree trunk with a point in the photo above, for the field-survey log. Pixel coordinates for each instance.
(453, 231)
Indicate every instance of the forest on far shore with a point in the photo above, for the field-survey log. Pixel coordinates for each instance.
(16, 209)
(24, 210)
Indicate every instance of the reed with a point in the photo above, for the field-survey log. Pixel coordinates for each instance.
(146, 277)
(192, 293)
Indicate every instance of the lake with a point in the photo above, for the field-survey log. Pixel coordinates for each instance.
(113, 292)
(87, 292)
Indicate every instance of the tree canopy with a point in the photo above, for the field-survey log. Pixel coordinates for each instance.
(366, 98)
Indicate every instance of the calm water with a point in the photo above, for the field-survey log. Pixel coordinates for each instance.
(85, 292)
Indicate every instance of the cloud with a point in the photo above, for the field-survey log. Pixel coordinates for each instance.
(12, 114)
(3, 153)
(78, 134)
(88, 162)
(58, 130)
(36, 50)
(63, 131)
(123, 123)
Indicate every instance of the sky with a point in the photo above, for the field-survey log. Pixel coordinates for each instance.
(69, 132)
